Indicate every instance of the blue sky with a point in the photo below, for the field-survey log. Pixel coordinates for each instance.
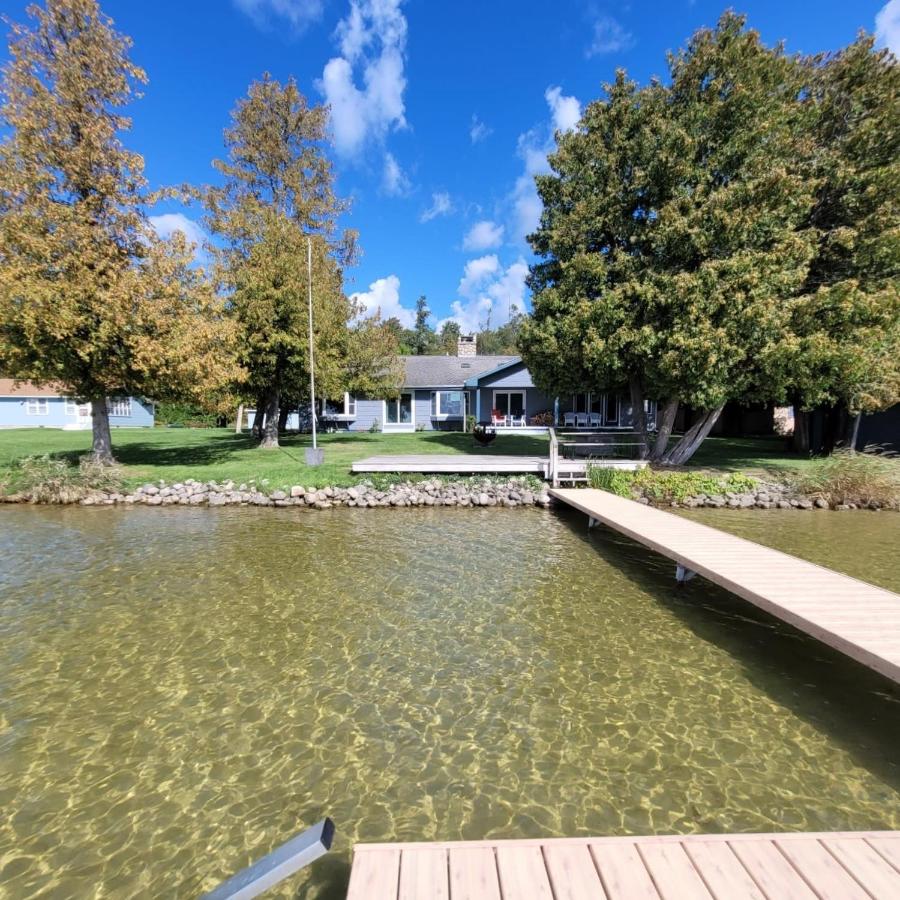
(441, 111)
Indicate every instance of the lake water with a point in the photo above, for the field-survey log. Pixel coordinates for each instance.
(182, 690)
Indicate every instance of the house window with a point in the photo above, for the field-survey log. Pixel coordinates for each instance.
(71, 408)
(398, 410)
(580, 403)
(37, 407)
(448, 403)
(119, 407)
(349, 405)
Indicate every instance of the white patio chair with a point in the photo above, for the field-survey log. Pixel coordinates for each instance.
(569, 420)
(581, 420)
(595, 420)
(520, 421)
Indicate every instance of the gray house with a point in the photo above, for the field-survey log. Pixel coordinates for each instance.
(439, 392)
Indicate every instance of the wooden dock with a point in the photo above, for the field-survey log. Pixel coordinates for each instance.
(483, 464)
(853, 617)
(453, 463)
(849, 866)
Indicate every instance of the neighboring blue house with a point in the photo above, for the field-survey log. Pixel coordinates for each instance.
(27, 406)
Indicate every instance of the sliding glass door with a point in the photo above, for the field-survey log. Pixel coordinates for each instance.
(510, 403)
(398, 413)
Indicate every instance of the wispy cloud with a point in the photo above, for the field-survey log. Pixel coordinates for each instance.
(166, 224)
(887, 27)
(383, 298)
(566, 110)
(608, 36)
(478, 131)
(298, 13)
(483, 235)
(441, 205)
(394, 181)
(372, 41)
(533, 147)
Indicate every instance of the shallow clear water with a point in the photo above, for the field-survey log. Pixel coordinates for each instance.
(182, 690)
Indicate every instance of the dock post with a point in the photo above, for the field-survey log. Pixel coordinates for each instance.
(683, 574)
(592, 522)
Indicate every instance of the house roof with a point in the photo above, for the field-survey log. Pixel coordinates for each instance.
(448, 371)
(9, 388)
(472, 381)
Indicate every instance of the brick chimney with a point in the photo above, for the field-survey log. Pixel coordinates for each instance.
(466, 345)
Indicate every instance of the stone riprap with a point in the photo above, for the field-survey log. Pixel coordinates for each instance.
(481, 492)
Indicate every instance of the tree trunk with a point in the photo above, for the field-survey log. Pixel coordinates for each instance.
(101, 449)
(269, 437)
(800, 440)
(639, 414)
(259, 412)
(283, 414)
(239, 420)
(664, 425)
(854, 437)
(692, 438)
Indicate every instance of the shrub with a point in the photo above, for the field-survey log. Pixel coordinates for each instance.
(543, 419)
(43, 479)
(867, 478)
(187, 415)
(375, 427)
(666, 486)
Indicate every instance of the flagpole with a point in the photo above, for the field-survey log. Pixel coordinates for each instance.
(312, 367)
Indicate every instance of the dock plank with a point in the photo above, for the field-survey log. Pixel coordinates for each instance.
(573, 875)
(424, 874)
(827, 877)
(771, 870)
(375, 875)
(722, 871)
(523, 875)
(473, 874)
(851, 616)
(673, 872)
(623, 872)
(867, 866)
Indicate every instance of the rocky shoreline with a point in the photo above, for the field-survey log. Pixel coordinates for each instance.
(475, 492)
(480, 492)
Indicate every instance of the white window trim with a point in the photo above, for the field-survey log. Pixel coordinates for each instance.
(115, 405)
(37, 406)
(399, 426)
(349, 404)
(71, 407)
(439, 413)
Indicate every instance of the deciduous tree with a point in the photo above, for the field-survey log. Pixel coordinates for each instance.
(278, 191)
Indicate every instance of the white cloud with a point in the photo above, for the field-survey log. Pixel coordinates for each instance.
(441, 205)
(609, 37)
(887, 27)
(533, 147)
(299, 13)
(488, 292)
(478, 131)
(394, 181)
(168, 223)
(483, 236)
(372, 40)
(477, 272)
(383, 297)
(566, 110)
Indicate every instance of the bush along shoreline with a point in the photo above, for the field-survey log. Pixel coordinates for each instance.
(692, 490)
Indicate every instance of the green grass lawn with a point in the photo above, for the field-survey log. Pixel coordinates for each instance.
(217, 454)
(757, 456)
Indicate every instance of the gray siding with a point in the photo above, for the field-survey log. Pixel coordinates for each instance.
(516, 376)
(367, 412)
